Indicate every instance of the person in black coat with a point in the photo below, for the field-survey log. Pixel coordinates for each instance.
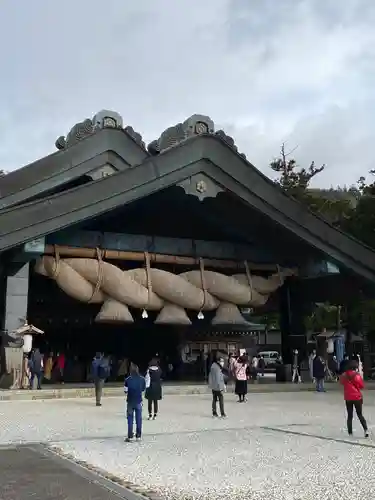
(319, 370)
(153, 388)
(36, 368)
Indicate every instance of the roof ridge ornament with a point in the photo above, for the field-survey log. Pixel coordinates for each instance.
(194, 125)
(135, 136)
(88, 127)
(228, 139)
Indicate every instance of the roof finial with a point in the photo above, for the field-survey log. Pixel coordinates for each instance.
(195, 125)
(81, 130)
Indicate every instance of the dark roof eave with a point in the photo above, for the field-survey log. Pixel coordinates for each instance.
(206, 154)
(64, 166)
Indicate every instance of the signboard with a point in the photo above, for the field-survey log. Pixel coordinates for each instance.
(35, 246)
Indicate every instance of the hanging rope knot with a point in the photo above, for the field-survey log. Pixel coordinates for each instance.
(148, 277)
(280, 274)
(56, 265)
(99, 281)
(203, 282)
(249, 279)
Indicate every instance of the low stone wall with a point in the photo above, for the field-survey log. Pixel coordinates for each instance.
(168, 390)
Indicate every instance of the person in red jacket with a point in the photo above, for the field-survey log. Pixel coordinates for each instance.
(353, 385)
(60, 365)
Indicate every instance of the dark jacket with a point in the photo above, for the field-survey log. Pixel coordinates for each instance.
(153, 383)
(36, 362)
(100, 368)
(319, 368)
(134, 386)
(261, 364)
(343, 365)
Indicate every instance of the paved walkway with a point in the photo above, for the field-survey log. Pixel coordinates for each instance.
(27, 473)
(276, 446)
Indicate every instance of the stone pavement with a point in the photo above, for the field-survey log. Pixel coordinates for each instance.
(289, 446)
(32, 473)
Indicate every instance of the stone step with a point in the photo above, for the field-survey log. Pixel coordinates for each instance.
(71, 391)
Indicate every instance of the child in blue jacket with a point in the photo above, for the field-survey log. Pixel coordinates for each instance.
(134, 387)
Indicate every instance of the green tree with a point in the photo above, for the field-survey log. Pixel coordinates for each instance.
(352, 210)
(361, 223)
(324, 315)
(335, 205)
(293, 179)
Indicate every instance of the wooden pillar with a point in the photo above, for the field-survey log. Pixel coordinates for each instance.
(292, 320)
(14, 316)
(352, 323)
(285, 320)
(364, 326)
(16, 296)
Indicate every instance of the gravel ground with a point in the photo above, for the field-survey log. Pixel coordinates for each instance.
(277, 446)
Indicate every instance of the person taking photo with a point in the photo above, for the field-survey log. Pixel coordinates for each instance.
(353, 386)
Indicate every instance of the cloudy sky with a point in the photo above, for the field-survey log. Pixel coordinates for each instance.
(267, 71)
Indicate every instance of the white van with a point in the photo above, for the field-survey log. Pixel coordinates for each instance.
(270, 357)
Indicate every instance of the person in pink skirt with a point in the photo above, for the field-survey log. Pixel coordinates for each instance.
(240, 370)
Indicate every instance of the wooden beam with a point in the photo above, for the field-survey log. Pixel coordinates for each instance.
(90, 253)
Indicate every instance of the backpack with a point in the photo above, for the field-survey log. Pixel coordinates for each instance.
(103, 371)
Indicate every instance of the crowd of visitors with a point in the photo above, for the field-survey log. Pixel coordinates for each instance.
(239, 369)
(39, 368)
(349, 374)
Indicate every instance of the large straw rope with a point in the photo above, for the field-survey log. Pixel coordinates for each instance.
(97, 281)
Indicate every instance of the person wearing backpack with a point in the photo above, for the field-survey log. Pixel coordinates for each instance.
(100, 372)
(353, 385)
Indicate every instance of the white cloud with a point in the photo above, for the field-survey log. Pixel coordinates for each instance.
(269, 71)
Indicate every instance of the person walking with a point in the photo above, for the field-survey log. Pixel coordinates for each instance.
(254, 369)
(312, 356)
(48, 367)
(60, 366)
(319, 370)
(333, 368)
(36, 368)
(25, 372)
(123, 368)
(296, 374)
(134, 387)
(216, 383)
(153, 388)
(360, 365)
(261, 365)
(231, 363)
(240, 372)
(100, 372)
(353, 385)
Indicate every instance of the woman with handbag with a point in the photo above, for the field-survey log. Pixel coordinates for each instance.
(240, 372)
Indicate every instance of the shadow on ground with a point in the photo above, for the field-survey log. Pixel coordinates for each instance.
(27, 472)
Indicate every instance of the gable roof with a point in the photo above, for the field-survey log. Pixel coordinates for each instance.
(206, 154)
(68, 164)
